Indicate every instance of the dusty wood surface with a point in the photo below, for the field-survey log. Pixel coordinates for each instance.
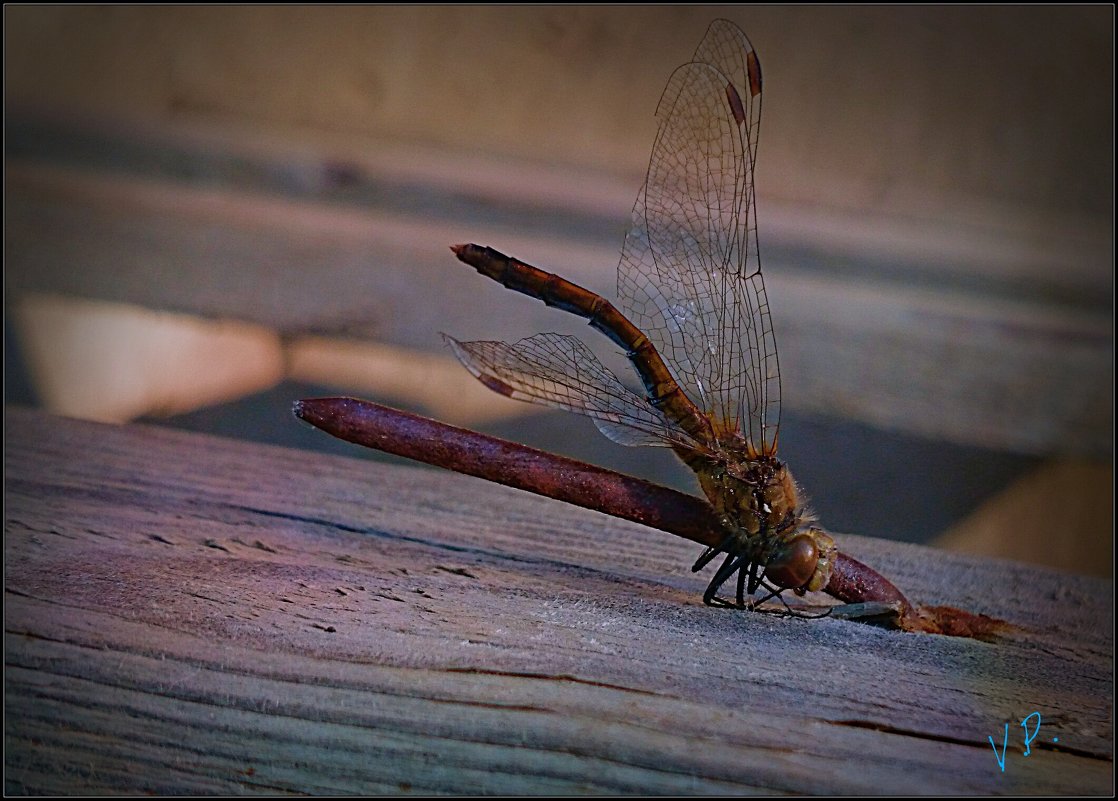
(185, 614)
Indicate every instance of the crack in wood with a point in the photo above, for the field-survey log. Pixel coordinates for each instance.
(562, 677)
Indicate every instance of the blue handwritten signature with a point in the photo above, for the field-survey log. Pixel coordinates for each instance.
(1029, 737)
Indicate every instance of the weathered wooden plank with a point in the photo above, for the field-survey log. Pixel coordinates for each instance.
(188, 614)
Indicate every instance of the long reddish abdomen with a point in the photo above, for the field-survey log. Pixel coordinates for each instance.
(663, 390)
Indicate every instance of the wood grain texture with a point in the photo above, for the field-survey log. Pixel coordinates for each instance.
(186, 614)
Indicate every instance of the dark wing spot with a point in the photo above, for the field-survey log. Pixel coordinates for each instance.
(735, 103)
(753, 67)
(497, 385)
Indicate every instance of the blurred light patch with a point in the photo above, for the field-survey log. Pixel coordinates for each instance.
(113, 362)
(415, 378)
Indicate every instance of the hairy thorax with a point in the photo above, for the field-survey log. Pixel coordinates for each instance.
(759, 504)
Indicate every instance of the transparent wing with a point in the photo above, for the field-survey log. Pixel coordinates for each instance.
(560, 371)
(690, 273)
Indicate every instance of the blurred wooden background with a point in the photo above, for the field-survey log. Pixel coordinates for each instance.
(204, 202)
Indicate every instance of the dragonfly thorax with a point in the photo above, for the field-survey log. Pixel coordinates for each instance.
(756, 497)
(759, 503)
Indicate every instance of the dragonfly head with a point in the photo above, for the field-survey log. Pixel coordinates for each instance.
(802, 561)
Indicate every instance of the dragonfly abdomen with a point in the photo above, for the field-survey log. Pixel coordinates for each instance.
(664, 392)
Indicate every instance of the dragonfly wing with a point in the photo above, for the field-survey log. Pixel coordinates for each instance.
(560, 371)
(690, 274)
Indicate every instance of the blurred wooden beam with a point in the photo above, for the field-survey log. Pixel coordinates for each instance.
(1022, 521)
(967, 364)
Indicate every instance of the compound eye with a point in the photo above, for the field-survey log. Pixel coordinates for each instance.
(794, 564)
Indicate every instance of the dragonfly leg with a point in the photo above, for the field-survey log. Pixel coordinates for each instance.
(756, 577)
(777, 592)
(773, 593)
(711, 552)
(732, 563)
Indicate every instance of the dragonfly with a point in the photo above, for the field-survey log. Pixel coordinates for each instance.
(694, 323)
